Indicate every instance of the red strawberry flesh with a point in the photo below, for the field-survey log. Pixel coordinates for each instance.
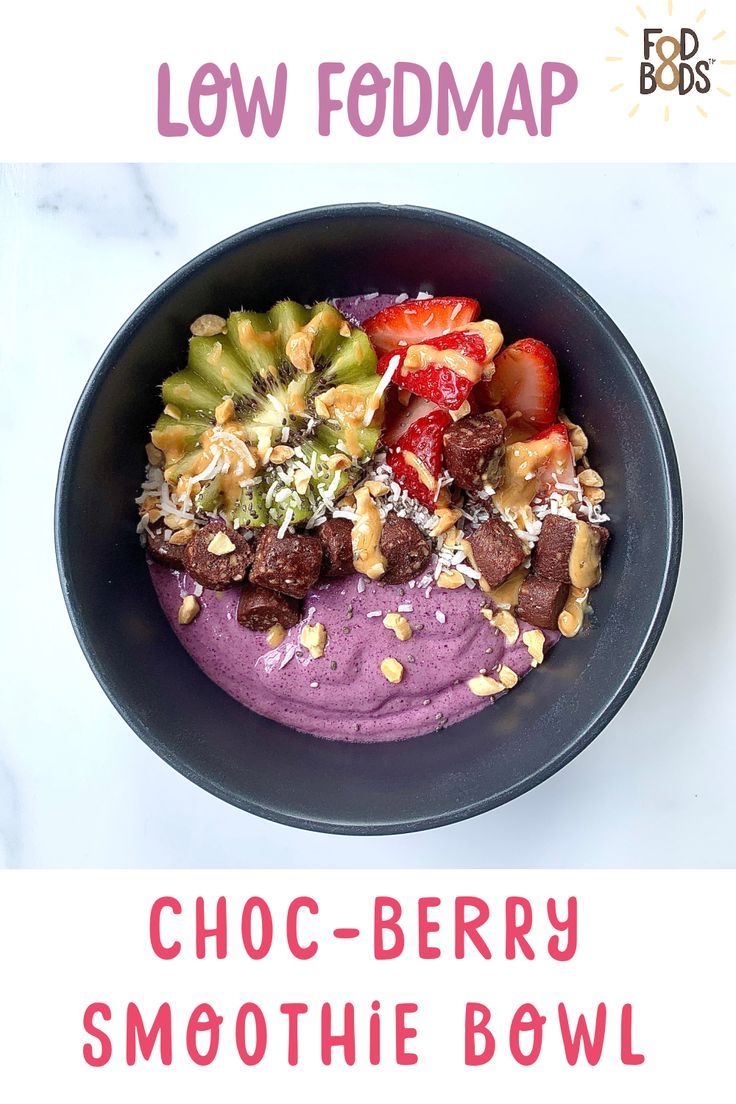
(525, 380)
(439, 382)
(419, 320)
(416, 459)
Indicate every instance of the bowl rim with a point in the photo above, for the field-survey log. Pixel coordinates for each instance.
(156, 298)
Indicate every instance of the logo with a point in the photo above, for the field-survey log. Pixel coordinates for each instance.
(679, 67)
(675, 62)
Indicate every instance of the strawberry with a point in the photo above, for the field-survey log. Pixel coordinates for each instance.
(416, 458)
(526, 380)
(397, 417)
(417, 320)
(558, 463)
(439, 382)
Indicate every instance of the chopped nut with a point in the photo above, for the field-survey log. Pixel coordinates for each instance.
(375, 488)
(338, 461)
(183, 536)
(484, 687)
(314, 638)
(391, 669)
(506, 676)
(320, 406)
(188, 610)
(172, 411)
(154, 514)
(302, 478)
(461, 411)
(590, 478)
(571, 619)
(225, 412)
(505, 622)
(173, 521)
(207, 325)
(445, 519)
(578, 439)
(220, 544)
(398, 623)
(595, 496)
(281, 453)
(450, 580)
(534, 640)
(275, 635)
(155, 455)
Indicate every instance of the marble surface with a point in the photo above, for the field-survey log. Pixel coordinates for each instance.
(79, 248)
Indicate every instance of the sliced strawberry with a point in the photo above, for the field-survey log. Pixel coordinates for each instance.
(398, 418)
(558, 463)
(416, 459)
(526, 380)
(417, 320)
(439, 382)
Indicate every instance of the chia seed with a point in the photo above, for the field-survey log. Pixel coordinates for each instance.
(426, 701)
(346, 629)
(333, 665)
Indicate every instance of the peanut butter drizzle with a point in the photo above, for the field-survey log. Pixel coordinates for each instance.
(347, 404)
(366, 535)
(420, 356)
(585, 557)
(171, 441)
(506, 595)
(520, 483)
(571, 619)
(425, 476)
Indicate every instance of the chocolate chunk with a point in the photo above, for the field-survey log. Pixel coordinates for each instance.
(162, 551)
(260, 609)
(290, 564)
(551, 559)
(541, 601)
(474, 453)
(337, 545)
(497, 551)
(210, 570)
(404, 548)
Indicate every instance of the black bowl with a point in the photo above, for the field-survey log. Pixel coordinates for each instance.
(256, 763)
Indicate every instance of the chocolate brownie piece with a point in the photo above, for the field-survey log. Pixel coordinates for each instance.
(162, 551)
(260, 609)
(404, 548)
(541, 601)
(497, 551)
(474, 452)
(216, 570)
(290, 564)
(337, 545)
(551, 559)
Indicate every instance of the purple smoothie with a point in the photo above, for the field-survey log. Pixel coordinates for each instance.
(352, 701)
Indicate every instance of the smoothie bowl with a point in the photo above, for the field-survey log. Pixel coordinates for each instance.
(384, 453)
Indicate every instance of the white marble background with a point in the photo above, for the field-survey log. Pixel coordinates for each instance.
(81, 245)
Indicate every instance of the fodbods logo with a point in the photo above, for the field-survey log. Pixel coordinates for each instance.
(675, 60)
(672, 63)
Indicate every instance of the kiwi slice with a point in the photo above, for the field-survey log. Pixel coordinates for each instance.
(294, 377)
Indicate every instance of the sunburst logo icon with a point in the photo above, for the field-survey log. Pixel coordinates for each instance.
(677, 61)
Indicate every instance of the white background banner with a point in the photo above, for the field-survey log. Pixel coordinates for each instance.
(655, 948)
(611, 81)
